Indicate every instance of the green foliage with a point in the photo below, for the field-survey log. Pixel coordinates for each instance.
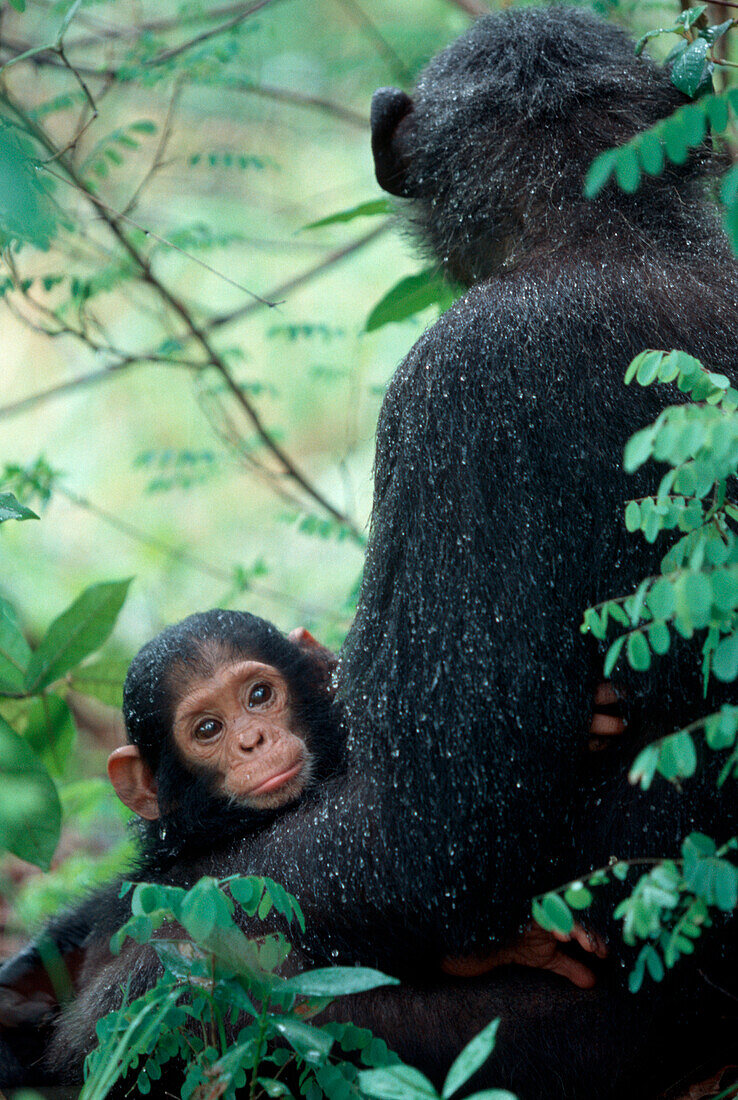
(697, 591)
(44, 733)
(672, 139)
(76, 633)
(220, 1007)
(177, 469)
(412, 295)
(30, 813)
(110, 150)
(400, 1082)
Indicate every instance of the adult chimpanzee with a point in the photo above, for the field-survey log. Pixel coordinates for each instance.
(496, 520)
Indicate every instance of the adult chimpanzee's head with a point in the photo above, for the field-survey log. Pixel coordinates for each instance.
(229, 721)
(494, 145)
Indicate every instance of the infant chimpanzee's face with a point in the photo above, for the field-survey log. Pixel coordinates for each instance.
(236, 727)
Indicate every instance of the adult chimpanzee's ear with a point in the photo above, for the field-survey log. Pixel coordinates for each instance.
(133, 782)
(390, 108)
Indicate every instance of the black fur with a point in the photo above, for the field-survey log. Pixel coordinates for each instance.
(496, 521)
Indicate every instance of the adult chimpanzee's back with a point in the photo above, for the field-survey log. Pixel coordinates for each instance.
(499, 487)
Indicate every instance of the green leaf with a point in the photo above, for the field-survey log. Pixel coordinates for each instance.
(639, 655)
(600, 170)
(204, 908)
(247, 892)
(51, 732)
(26, 213)
(15, 652)
(577, 896)
(717, 113)
(408, 297)
(396, 1083)
(638, 449)
(474, 1055)
(102, 679)
(675, 139)
(632, 516)
(627, 170)
(311, 1043)
(11, 508)
(698, 597)
(651, 153)
(677, 756)
(613, 654)
(78, 631)
(363, 210)
(493, 1094)
(725, 659)
(30, 811)
(688, 71)
(659, 638)
(553, 914)
(337, 981)
(644, 767)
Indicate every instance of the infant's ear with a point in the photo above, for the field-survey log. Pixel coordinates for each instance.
(133, 781)
(301, 636)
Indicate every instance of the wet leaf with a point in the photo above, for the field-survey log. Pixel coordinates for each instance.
(411, 295)
(474, 1055)
(396, 1083)
(11, 508)
(336, 981)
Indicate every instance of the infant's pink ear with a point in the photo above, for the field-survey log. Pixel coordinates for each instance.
(302, 636)
(133, 781)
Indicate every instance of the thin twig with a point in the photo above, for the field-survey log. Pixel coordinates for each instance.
(299, 280)
(301, 99)
(126, 361)
(175, 51)
(113, 215)
(383, 46)
(471, 7)
(161, 148)
(153, 26)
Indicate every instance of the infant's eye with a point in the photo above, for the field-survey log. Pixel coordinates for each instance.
(260, 693)
(208, 728)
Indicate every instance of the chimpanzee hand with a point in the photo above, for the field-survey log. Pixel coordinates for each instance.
(538, 949)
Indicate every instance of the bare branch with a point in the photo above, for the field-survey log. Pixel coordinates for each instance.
(154, 26)
(50, 57)
(299, 280)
